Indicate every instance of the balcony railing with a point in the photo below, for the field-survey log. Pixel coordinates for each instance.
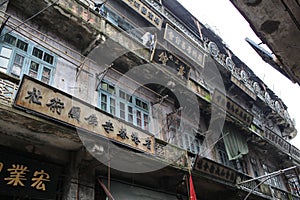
(255, 187)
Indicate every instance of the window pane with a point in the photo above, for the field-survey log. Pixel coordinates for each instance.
(146, 122)
(111, 89)
(103, 102)
(10, 39)
(5, 52)
(107, 87)
(138, 102)
(46, 75)
(37, 53)
(17, 66)
(122, 94)
(139, 118)
(130, 114)
(104, 86)
(22, 45)
(33, 70)
(48, 58)
(4, 58)
(122, 110)
(129, 98)
(3, 64)
(112, 106)
(145, 105)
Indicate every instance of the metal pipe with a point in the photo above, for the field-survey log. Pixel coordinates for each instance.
(270, 174)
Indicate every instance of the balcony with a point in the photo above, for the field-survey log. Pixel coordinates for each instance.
(233, 179)
(77, 23)
(263, 190)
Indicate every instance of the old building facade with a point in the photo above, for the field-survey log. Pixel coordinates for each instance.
(126, 99)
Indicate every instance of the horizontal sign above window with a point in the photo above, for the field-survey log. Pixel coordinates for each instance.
(243, 87)
(23, 176)
(278, 141)
(144, 11)
(231, 107)
(59, 106)
(295, 152)
(171, 60)
(215, 169)
(184, 45)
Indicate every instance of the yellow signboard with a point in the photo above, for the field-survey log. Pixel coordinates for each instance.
(54, 104)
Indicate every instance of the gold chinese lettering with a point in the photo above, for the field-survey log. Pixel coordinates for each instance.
(163, 58)
(181, 71)
(17, 175)
(39, 179)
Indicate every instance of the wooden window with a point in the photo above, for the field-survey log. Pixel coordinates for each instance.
(18, 65)
(5, 55)
(120, 104)
(18, 57)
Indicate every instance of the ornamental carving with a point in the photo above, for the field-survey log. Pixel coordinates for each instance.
(213, 49)
(230, 64)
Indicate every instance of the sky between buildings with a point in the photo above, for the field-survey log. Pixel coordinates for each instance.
(229, 24)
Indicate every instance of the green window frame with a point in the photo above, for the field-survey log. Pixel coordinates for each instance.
(19, 56)
(121, 104)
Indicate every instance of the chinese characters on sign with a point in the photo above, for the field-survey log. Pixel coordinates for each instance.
(184, 45)
(17, 175)
(39, 180)
(198, 89)
(27, 177)
(295, 152)
(243, 87)
(55, 104)
(67, 109)
(74, 113)
(123, 134)
(276, 140)
(231, 107)
(108, 127)
(34, 96)
(171, 154)
(166, 58)
(215, 169)
(144, 11)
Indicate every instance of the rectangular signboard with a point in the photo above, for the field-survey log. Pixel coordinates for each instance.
(49, 102)
(231, 107)
(184, 45)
